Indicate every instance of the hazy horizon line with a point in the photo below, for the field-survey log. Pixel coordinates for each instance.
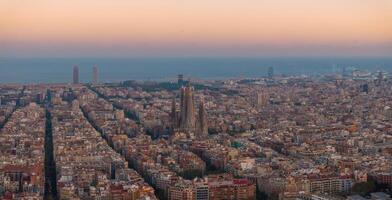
(205, 56)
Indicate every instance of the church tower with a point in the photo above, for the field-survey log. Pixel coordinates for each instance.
(202, 127)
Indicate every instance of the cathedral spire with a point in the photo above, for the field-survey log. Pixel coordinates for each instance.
(202, 127)
(173, 114)
(187, 110)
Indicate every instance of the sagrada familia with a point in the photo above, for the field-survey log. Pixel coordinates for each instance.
(186, 120)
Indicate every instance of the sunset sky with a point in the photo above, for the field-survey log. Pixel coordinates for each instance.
(69, 28)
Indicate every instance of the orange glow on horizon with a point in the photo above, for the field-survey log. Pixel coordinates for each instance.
(249, 22)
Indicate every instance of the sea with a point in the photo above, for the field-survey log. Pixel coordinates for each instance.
(59, 70)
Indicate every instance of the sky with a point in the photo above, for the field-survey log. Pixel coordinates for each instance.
(126, 28)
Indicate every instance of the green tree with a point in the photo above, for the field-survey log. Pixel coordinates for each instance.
(364, 188)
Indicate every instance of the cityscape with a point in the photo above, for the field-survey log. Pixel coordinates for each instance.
(273, 137)
(196, 100)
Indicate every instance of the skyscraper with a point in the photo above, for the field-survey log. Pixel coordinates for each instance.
(380, 78)
(95, 75)
(270, 72)
(180, 80)
(75, 74)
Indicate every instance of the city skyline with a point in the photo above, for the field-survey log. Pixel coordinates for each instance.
(196, 28)
(293, 137)
(196, 100)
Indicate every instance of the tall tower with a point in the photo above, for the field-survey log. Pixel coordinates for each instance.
(180, 80)
(187, 109)
(380, 78)
(182, 107)
(270, 72)
(202, 127)
(75, 74)
(95, 75)
(173, 115)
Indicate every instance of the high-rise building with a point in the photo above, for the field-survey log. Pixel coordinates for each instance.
(95, 75)
(180, 80)
(75, 74)
(270, 72)
(380, 78)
